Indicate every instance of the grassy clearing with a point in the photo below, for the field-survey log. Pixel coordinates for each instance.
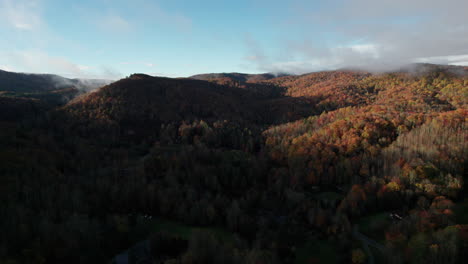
(185, 231)
(321, 251)
(461, 212)
(331, 196)
(374, 225)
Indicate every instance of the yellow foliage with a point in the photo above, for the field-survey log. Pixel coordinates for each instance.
(358, 256)
(393, 186)
(434, 247)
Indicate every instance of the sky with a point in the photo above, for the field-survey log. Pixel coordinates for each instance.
(112, 39)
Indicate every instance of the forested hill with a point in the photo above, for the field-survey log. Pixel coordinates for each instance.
(140, 102)
(240, 77)
(48, 88)
(238, 170)
(33, 83)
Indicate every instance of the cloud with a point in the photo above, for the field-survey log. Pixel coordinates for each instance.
(106, 72)
(6, 68)
(141, 13)
(450, 60)
(255, 51)
(114, 23)
(37, 61)
(369, 34)
(139, 63)
(165, 74)
(28, 40)
(365, 49)
(32, 61)
(21, 14)
(155, 12)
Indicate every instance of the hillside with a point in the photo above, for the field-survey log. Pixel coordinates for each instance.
(365, 113)
(335, 89)
(33, 83)
(293, 169)
(49, 88)
(252, 82)
(14, 109)
(140, 100)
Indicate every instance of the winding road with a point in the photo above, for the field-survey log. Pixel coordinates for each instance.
(366, 242)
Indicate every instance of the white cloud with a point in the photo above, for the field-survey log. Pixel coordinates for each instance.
(6, 68)
(84, 67)
(135, 17)
(389, 33)
(164, 74)
(366, 49)
(138, 63)
(154, 12)
(26, 19)
(114, 23)
(37, 61)
(33, 61)
(451, 60)
(21, 14)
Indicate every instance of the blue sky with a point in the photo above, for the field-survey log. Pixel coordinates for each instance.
(114, 38)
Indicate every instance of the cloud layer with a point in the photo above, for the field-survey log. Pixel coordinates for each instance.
(295, 36)
(377, 35)
(33, 61)
(30, 39)
(21, 15)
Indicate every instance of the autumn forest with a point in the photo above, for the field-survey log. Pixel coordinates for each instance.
(343, 166)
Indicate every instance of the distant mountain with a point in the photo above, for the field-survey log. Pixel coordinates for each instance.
(240, 77)
(427, 68)
(47, 87)
(335, 89)
(31, 83)
(252, 82)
